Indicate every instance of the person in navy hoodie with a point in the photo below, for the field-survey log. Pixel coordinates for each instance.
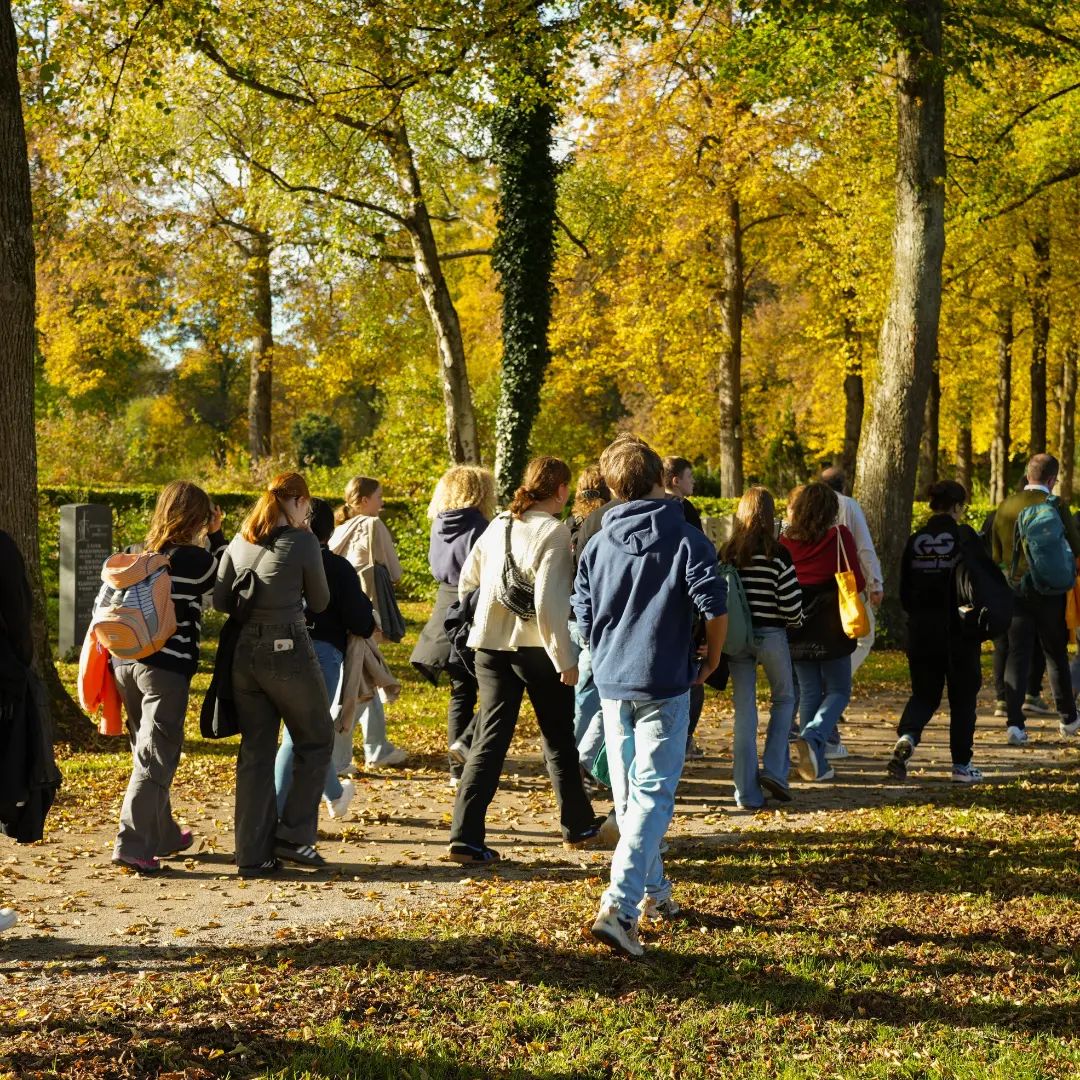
(640, 581)
(461, 507)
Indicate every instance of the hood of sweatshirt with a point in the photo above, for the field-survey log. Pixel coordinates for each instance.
(639, 526)
(450, 524)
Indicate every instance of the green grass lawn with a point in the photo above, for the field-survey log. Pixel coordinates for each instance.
(932, 939)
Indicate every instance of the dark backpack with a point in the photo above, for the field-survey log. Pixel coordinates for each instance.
(983, 596)
(1040, 535)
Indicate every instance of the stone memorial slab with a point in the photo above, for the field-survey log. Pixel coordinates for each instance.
(85, 543)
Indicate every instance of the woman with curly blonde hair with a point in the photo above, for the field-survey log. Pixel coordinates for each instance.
(461, 507)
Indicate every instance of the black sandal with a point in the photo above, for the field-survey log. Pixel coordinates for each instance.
(468, 855)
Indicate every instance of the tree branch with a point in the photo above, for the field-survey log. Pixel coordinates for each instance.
(1068, 173)
(1030, 109)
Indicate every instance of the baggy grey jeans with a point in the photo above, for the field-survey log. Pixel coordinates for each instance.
(273, 683)
(155, 701)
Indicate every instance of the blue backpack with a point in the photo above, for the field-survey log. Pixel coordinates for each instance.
(1040, 536)
(740, 626)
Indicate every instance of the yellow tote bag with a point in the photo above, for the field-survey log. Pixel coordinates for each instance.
(853, 617)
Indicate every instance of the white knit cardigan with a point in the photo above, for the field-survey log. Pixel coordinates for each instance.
(541, 547)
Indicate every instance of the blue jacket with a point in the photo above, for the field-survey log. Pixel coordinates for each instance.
(640, 581)
(453, 534)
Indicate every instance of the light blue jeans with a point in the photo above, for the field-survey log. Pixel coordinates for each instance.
(824, 692)
(330, 663)
(588, 718)
(646, 743)
(770, 650)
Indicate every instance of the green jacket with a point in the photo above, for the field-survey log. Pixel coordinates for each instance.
(1005, 528)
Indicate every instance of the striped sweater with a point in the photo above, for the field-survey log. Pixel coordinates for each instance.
(192, 570)
(772, 590)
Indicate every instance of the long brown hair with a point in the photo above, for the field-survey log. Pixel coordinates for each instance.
(183, 510)
(262, 519)
(812, 510)
(359, 487)
(754, 532)
(591, 492)
(543, 478)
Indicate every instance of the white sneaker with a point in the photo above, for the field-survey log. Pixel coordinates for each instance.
(339, 807)
(616, 932)
(455, 783)
(390, 757)
(8, 918)
(1064, 730)
(459, 752)
(966, 774)
(834, 751)
(657, 910)
(1017, 736)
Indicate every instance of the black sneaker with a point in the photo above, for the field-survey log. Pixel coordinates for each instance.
(260, 870)
(301, 854)
(897, 767)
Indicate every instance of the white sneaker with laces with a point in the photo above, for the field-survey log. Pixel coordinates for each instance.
(654, 910)
(615, 931)
(339, 807)
(1017, 736)
(8, 918)
(459, 752)
(390, 757)
(1064, 730)
(835, 751)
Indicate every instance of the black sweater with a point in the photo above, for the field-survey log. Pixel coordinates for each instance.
(926, 571)
(349, 610)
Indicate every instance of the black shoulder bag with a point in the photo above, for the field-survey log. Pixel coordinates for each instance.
(514, 590)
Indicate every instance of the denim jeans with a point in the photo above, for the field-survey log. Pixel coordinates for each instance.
(824, 691)
(588, 719)
(371, 719)
(770, 650)
(330, 661)
(646, 749)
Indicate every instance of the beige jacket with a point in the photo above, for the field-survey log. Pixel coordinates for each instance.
(365, 541)
(541, 548)
(365, 674)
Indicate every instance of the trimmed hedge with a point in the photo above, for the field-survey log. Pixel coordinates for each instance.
(132, 507)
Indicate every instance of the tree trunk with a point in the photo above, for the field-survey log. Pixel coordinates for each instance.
(462, 440)
(262, 352)
(854, 399)
(732, 296)
(930, 444)
(964, 465)
(908, 344)
(1039, 301)
(1001, 446)
(524, 259)
(1067, 433)
(18, 445)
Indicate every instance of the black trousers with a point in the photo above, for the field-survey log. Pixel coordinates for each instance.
(504, 677)
(697, 706)
(1001, 657)
(461, 712)
(937, 661)
(1038, 620)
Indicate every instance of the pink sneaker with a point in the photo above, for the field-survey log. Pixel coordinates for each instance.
(187, 838)
(140, 866)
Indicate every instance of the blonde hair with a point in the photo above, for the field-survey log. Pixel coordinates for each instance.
(262, 519)
(462, 487)
(543, 478)
(359, 487)
(183, 510)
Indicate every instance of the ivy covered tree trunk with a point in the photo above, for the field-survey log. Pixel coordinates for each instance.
(1067, 432)
(1001, 447)
(731, 304)
(18, 444)
(462, 439)
(1039, 302)
(523, 257)
(909, 334)
(260, 387)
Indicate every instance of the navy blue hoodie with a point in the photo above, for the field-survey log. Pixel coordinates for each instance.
(639, 582)
(453, 534)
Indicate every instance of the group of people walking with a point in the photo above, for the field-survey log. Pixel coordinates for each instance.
(611, 622)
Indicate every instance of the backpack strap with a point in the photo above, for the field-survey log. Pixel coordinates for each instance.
(1016, 549)
(263, 549)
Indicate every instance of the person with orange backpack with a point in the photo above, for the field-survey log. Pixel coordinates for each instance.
(154, 685)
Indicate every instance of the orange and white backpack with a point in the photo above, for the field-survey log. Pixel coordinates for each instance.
(134, 613)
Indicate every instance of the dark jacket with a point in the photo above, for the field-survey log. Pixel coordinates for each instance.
(349, 610)
(926, 569)
(692, 515)
(640, 581)
(453, 534)
(581, 532)
(1005, 528)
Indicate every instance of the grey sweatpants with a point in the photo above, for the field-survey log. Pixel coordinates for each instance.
(155, 701)
(270, 684)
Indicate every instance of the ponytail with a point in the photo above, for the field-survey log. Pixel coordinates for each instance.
(359, 487)
(542, 480)
(263, 517)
